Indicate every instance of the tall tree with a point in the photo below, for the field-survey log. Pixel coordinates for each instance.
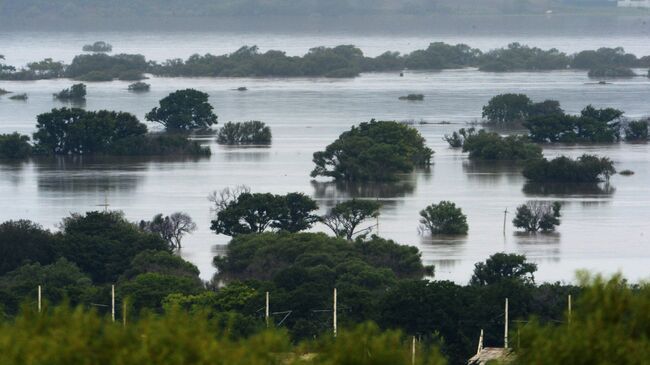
(184, 110)
(345, 218)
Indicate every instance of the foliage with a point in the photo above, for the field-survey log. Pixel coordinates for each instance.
(592, 125)
(171, 228)
(609, 324)
(160, 262)
(75, 92)
(344, 218)
(45, 69)
(440, 56)
(103, 67)
(604, 58)
(585, 169)
(103, 244)
(139, 87)
(517, 57)
(21, 97)
(253, 132)
(184, 110)
(444, 218)
(158, 145)
(611, 72)
(636, 130)
(15, 146)
(535, 216)
(149, 289)
(491, 146)
(412, 97)
(23, 241)
(457, 139)
(503, 266)
(255, 213)
(373, 151)
(507, 108)
(99, 46)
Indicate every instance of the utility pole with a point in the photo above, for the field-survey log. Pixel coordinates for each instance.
(505, 333)
(39, 299)
(334, 313)
(113, 302)
(266, 312)
(570, 308)
(123, 313)
(480, 343)
(505, 215)
(413, 351)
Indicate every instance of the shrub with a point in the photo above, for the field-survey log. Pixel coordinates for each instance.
(253, 132)
(103, 67)
(184, 110)
(15, 146)
(611, 72)
(444, 218)
(99, 46)
(4, 92)
(373, 151)
(19, 97)
(538, 216)
(75, 92)
(517, 57)
(412, 97)
(586, 169)
(457, 139)
(507, 108)
(637, 131)
(491, 146)
(139, 87)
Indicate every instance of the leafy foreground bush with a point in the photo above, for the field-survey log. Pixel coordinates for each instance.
(70, 337)
(609, 325)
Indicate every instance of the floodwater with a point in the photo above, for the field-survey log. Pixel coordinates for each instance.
(604, 228)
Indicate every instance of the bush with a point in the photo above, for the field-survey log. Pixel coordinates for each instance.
(139, 87)
(412, 97)
(103, 67)
(637, 131)
(253, 132)
(507, 108)
(15, 146)
(184, 110)
(586, 169)
(611, 72)
(158, 145)
(373, 151)
(96, 76)
(4, 92)
(491, 146)
(519, 57)
(131, 75)
(592, 125)
(537, 216)
(21, 97)
(75, 92)
(99, 46)
(444, 218)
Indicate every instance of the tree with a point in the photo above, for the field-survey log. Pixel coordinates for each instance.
(103, 244)
(636, 130)
(148, 290)
(171, 228)
(373, 151)
(75, 92)
(253, 132)
(161, 262)
(99, 46)
(507, 108)
(345, 217)
(255, 213)
(491, 146)
(444, 218)
(15, 146)
(503, 266)
(457, 139)
(585, 169)
(184, 110)
(535, 216)
(23, 241)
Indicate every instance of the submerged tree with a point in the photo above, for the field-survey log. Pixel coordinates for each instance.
(507, 108)
(184, 110)
(538, 216)
(444, 218)
(253, 132)
(171, 228)
(503, 266)
(75, 92)
(345, 217)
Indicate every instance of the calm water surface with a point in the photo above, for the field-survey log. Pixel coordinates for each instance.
(604, 228)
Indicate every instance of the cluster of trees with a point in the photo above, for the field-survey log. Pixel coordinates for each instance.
(483, 145)
(14, 146)
(378, 150)
(139, 87)
(76, 92)
(584, 169)
(98, 47)
(183, 111)
(252, 132)
(338, 62)
(537, 216)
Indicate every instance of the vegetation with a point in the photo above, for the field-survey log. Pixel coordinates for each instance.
(139, 87)
(592, 125)
(45, 69)
(184, 110)
(604, 58)
(444, 218)
(517, 57)
(373, 151)
(253, 132)
(491, 146)
(75, 92)
(103, 67)
(636, 130)
(611, 72)
(20, 97)
(171, 228)
(4, 92)
(15, 146)
(255, 213)
(344, 218)
(99, 47)
(412, 97)
(585, 169)
(538, 216)
(507, 108)
(78, 132)
(457, 139)
(502, 267)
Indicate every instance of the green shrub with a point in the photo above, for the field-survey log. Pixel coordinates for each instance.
(444, 218)
(15, 146)
(491, 146)
(253, 132)
(585, 169)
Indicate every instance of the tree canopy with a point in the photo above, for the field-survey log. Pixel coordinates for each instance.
(373, 151)
(584, 169)
(184, 110)
(443, 218)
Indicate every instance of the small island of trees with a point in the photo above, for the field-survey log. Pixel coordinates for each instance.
(76, 92)
(584, 169)
(98, 47)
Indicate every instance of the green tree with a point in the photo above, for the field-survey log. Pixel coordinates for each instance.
(99, 46)
(184, 110)
(503, 266)
(585, 169)
(253, 132)
(373, 151)
(148, 290)
(538, 216)
(23, 241)
(491, 146)
(344, 218)
(161, 262)
(75, 92)
(15, 146)
(507, 108)
(636, 130)
(444, 218)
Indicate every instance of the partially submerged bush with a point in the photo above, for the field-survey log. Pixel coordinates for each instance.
(585, 169)
(19, 97)
(412, 97)
(75, 92)
(457, 139)
(14, 146)
(611, 72)
(538, 216)
(139, 87)
(637, 130)
(4, 92)
(491, 146)
(99, 46)
(253, 132)
(443, 218)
